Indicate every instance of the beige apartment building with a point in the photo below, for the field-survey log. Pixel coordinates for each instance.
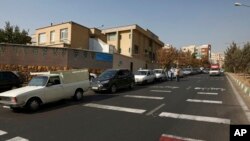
(134, 41)
(68, 34)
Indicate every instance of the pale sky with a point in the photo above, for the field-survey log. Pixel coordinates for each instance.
(176, 22)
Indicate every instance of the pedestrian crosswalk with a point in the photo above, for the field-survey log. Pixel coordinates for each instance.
(4, 133)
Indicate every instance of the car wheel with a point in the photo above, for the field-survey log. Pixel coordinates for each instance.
(78, 95)
(33, 104)
(113, 89)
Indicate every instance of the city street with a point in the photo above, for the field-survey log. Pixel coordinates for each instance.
(198, 107)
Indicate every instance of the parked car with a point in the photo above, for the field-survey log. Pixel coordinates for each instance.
(206, 70)
(9, 80)
(187, 71)
(47, 87)
(144, 76)
(160, 74)
(112, 80)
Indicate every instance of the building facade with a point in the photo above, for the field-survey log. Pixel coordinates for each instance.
(134, 41)
(202, 51)
(72, 35)
(217, 58)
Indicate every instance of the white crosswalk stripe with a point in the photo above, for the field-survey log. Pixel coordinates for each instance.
(207, 93)
(144, 97)
(115, 108)
(18, 139)
(160, 91)
(204, 101)
(195, 118)
(2, 132)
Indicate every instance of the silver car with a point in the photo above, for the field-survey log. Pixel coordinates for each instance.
(144, 76)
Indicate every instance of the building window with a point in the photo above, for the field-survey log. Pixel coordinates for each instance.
(52, 36)
(136, 49)
(111, 36)
(150, 43)
(41, 38)
(64, 34)
(129, 36)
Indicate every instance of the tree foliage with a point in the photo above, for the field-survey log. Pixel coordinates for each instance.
(13, 34)
(237, 59)
(169, 57)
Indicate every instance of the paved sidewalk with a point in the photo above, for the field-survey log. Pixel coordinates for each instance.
(243, 84)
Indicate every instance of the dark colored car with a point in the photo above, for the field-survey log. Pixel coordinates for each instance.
(9, 80)
(112, 80)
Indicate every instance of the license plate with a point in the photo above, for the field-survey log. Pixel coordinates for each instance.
(95, 88)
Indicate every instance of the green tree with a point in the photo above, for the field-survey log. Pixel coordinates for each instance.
(233, 58)
(13, 34)
(245, 62)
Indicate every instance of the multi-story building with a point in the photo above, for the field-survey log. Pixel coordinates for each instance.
(217, 58)
(72, 35)
(190, 48)
(134, 41)
(203, 51)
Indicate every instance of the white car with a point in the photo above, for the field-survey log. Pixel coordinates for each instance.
(144, 76)
(187, 71)
(160, 74)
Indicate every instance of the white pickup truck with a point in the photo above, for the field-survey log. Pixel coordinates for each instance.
(47, 87)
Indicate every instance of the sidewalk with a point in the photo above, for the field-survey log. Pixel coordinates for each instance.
(243, 82)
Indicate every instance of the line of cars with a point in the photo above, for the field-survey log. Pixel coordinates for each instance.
(114, 79)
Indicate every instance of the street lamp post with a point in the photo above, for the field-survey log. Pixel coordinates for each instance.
(240, 4)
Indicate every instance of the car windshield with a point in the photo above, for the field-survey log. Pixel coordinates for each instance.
(158, 71)
(108, 74)
(187, 69)
(141, 73)
(38, 81)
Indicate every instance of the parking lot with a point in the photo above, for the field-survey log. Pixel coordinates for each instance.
(198, 107)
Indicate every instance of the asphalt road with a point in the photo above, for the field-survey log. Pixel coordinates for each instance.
(198, 107)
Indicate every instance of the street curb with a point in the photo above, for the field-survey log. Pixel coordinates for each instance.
(245, 88)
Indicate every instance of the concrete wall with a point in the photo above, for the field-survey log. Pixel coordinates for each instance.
(122, 61)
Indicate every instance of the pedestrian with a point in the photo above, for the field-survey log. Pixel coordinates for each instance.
(171, 73)
(177, 74)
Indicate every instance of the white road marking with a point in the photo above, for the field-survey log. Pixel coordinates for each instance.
(155, 109)
(170, 87)
(144, 97)
(161, 91)
(2, 132)
(210, 89)
(195, 118)
(6, 107)
(178, 138)
(188, 88)
(115, 108)
(207, 93)
(18, 139)
(204, 101)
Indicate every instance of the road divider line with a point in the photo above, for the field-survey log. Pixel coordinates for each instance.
(188, 88)
(144, 97)
(195, 118)
(206, 93)
(160, 91)
(155, 109)
(115, 108)
(168, 137)
(18, 139)
(204, 101)
(2, 132)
